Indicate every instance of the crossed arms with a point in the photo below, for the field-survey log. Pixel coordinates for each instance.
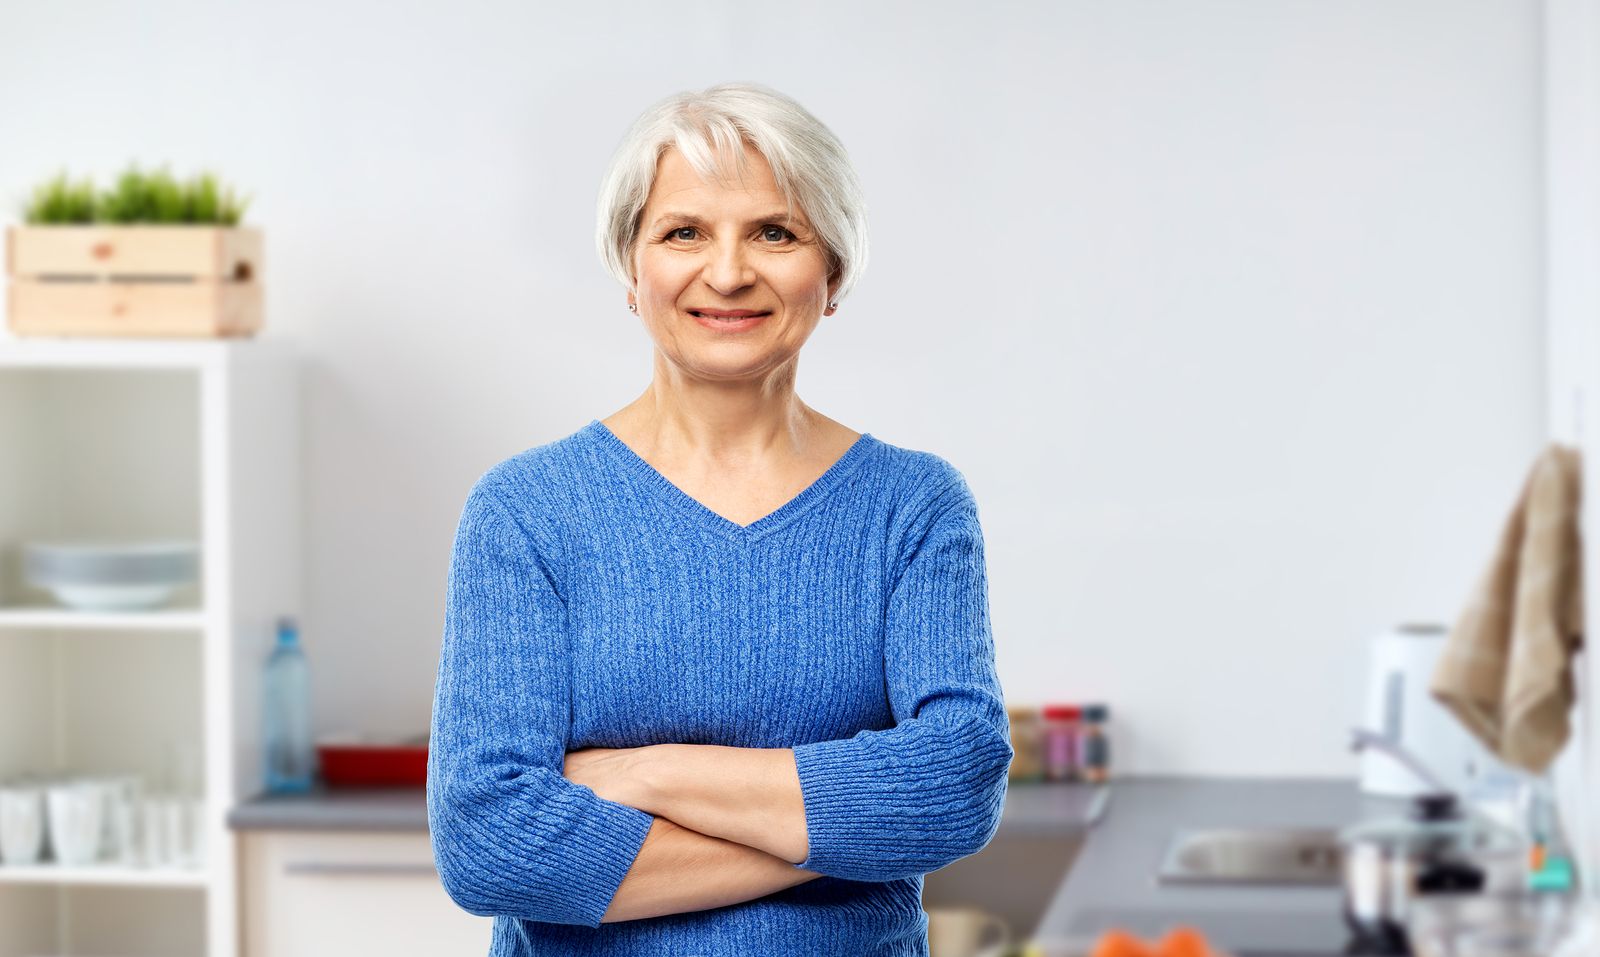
(729, 823)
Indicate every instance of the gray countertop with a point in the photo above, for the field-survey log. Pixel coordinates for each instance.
(1112, 883)
(394, 809)
(1030, 809)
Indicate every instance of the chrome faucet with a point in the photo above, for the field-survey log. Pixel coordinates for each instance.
(1361, 738)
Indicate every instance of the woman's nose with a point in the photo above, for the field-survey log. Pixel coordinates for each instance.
(728, 269)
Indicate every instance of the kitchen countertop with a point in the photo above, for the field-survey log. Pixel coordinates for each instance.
(390, 809)
(1030, 809)
(1112, 883)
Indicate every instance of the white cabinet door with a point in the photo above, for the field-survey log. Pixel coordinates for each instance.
(337, 893)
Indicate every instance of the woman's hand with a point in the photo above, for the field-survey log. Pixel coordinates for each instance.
(615, 774)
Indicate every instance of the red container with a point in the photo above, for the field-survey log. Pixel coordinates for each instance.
(373, 763)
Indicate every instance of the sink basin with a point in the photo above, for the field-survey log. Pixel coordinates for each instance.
(1301, 856)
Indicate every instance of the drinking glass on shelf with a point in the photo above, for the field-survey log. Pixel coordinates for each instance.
(195, 842)
(120, 794)
(153, 842)
(173, 832)
(21, 823)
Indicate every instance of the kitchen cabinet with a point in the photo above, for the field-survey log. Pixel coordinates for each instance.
(336, 893)
(1014, 878)
(106, 439)
(1042, 829)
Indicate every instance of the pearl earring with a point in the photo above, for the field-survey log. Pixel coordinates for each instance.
(632, 307)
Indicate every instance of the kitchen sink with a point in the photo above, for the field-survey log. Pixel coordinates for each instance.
(1301, 856)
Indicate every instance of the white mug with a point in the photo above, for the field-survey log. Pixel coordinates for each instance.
(76, 812)
(21, 824)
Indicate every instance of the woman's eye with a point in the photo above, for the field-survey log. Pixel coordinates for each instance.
(680, 229)
(782, 233)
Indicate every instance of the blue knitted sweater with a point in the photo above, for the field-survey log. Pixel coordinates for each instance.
(592, 603)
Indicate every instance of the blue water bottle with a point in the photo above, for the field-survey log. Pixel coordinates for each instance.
(286, 699)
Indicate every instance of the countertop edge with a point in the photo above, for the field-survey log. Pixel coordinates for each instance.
(1031, 809)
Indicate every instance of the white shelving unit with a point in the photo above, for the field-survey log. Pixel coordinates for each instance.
(131, 439)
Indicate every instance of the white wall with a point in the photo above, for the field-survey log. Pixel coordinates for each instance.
(1229, 311)
(1572, 317)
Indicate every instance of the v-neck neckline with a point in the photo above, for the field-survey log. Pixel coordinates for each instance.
(693, 508)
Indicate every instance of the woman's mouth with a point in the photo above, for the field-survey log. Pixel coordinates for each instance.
(731, 320)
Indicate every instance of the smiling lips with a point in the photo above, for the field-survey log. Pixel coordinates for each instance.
(726, 313)
(726, 321)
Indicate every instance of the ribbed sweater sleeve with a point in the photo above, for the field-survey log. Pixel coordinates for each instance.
(895, 803)
(511, 836)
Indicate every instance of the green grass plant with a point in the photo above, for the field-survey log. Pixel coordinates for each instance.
(139, 197)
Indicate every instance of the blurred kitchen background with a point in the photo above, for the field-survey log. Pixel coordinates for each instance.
(1245, 320)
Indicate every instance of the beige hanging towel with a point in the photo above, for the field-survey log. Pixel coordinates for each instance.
(1506, 668)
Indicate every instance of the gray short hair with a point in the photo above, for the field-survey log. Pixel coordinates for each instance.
(709, 128)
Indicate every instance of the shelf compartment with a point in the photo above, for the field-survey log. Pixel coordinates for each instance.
(135, 921)
(86, 703)
(97, 455)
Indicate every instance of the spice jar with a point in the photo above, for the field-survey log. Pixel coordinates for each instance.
(1060, 742)
(1094, 747)
(1027, 764)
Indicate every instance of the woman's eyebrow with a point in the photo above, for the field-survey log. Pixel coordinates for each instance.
(777, 217)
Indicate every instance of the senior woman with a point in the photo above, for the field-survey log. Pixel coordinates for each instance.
(717, 675)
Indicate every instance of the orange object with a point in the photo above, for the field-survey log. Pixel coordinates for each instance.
(1120, 943)
(1179, 942)
(1184, 942)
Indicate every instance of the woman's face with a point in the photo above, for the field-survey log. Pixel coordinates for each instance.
(710, 247)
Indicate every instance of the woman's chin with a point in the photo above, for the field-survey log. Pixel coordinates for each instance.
(729, 362)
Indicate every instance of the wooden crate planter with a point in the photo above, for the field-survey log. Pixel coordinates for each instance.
(140, 281)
